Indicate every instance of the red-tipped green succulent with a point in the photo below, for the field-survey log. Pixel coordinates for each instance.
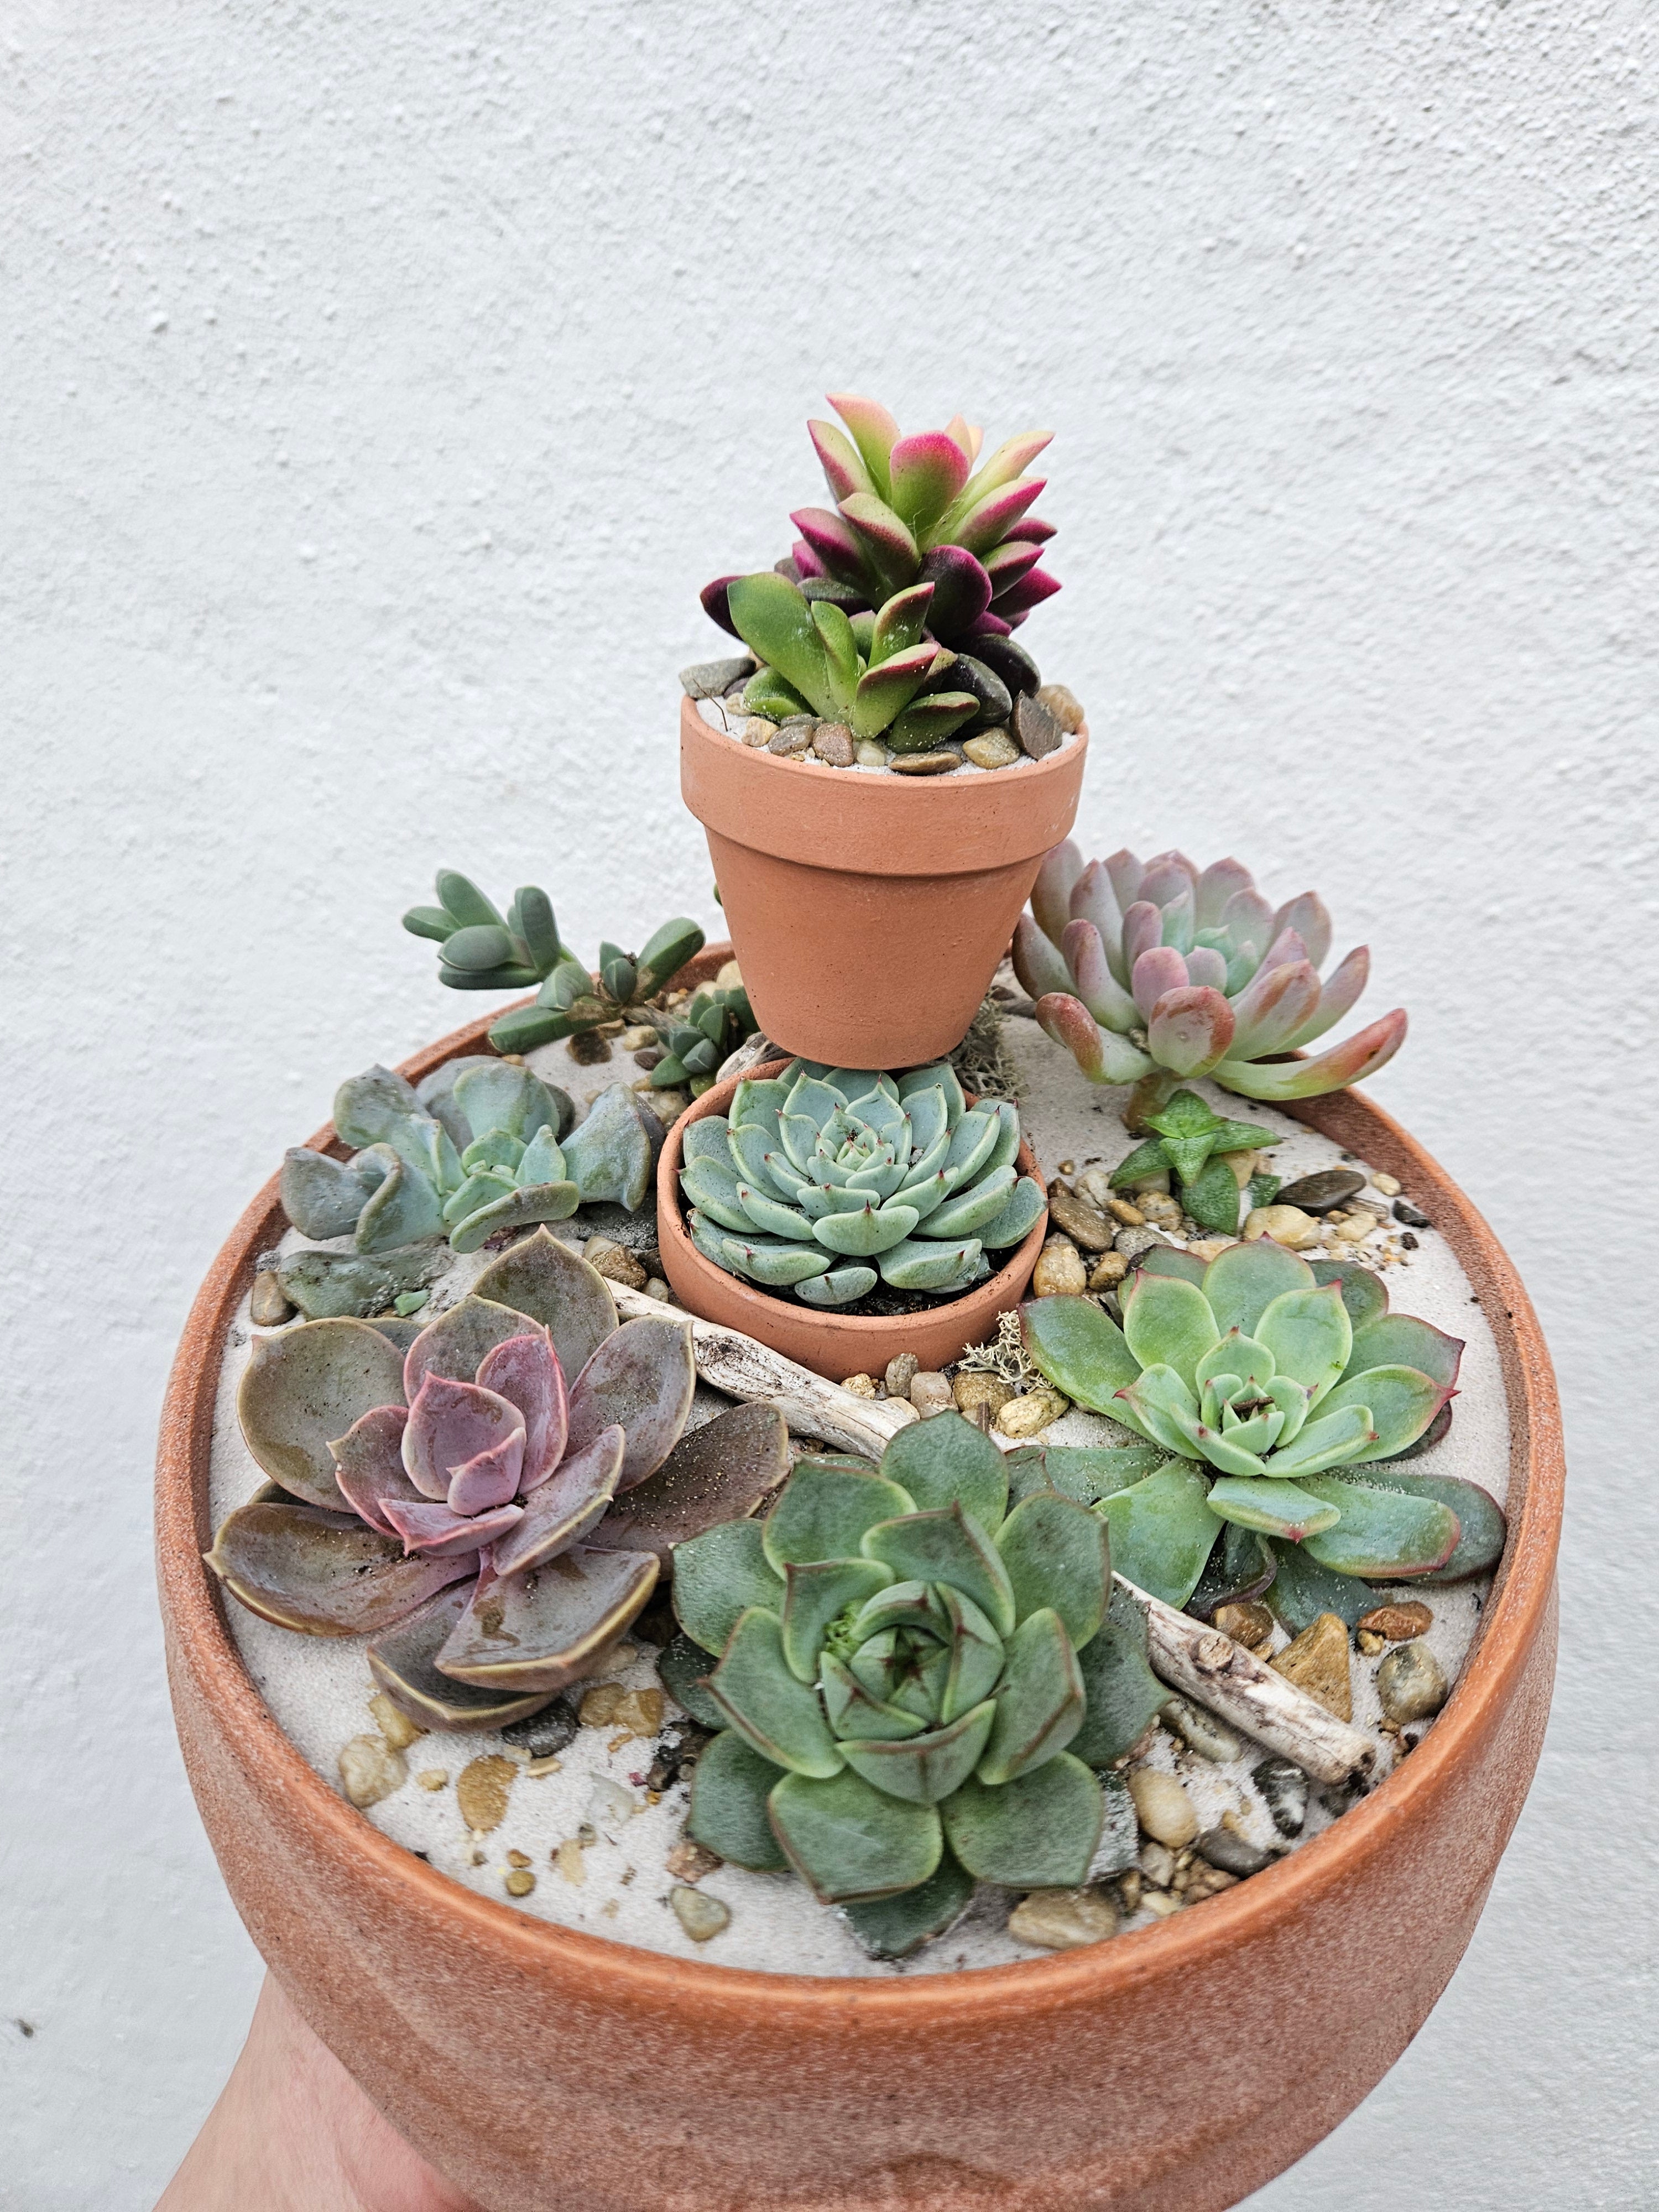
(1159, 970)
(919, 538)
(445, 1490)
(1278, 1389)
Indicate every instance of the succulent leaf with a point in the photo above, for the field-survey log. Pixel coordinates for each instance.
(1381, 1533)
(324, 1574)
(561, 1512)
(542, 1629)
(849, 1841)
(946, 1546)
(306, 1386)
(718, 1472)
(893, 1927)
(642, 1377)
(1079, 1349)
(728, 1815)
(1122, 1695)
(717, 1576)
(1274, 1509)
(1240, 1282)
(1481, 1529)
(826, 1512)
(1039, 1831)
(1399, 1403)
(1162, 1531)
(402, 1660)
(556, 1286)
(943, 1461)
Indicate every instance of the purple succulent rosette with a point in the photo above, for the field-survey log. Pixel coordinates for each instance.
(449, 1494)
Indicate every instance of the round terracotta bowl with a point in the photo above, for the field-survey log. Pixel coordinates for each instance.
(830, 1344)
(544, 2070)
(870, 912)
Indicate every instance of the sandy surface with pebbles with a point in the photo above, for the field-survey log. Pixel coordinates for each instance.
(611, 1879)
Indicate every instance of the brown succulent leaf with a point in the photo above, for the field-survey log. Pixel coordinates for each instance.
(304, 1389)
(544, 1279)
(401, 1661)
(368, 1465)
(544, 1628)
(642, 1378)
(720, 1471)
(324, 1574)
(560, 1513)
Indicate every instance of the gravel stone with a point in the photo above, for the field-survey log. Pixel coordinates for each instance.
(396, 1727)
(689, 1861)
(1030, 1415)
(992, 748)
(931, 1394)
(1063, 1919)
(1200, 1731)
(615, 1261)
(1286, 1224)
(1249, 1623)
(1163, 1808)
(701, 1917)
(832, 742)
(1059, 1271)
(1132, 1243)
(792, 738)
(901, 1371)
(1317, 1662)
(1233, 1853)
(1107, 1271)
(370, 1770)
(713, 680)
(1318, 1193)
(924, 763)
(267, 1304)
(482, 1789)
(1085, 1224)
(1065, 705)
(1397, 1624)
(1284, 1790)
(1410, 1215)
(757, 732)
(1036, 727)
(861, 1386)
(870, 752)
(973, 1387)
(1412, 1684)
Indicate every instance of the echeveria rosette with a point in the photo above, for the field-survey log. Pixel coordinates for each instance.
(482, 1146)
(448, 1496)
(1193, 1146)
(1158, 970)
(698, 1038)
(904, 1678)
(821, 1180)
(480, 949)
(1267, 1381)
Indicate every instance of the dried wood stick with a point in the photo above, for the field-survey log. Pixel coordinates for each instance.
(728, 1360)
(1212, 1670)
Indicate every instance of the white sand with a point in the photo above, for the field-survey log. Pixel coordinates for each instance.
(317, 1688)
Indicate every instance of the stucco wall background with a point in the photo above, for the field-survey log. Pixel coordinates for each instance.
(379, 386)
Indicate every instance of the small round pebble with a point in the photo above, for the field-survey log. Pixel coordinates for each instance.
(1163, 1808)
(394, 1725)
(1064, 705)
(1059, 1271)
(861, 1386)
(520, 1882)
(433, 1778)
(931, 1394)
(1320, 1192)
(1233, 1853)
(371, 1770)
(870, 753)
(832, 742)
(700, 1915)
(992, 748)
(481, 1791)
(974, 1387)
(1063, 1919)
(1285, 1225)
(1412, 1683)
(757, 730)
(925, 764)
(1030, 1415)
(901, 1370)
(1109, 1271)
(792, 738)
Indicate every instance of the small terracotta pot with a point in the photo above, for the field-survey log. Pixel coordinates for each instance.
(543, 2069)
(870, 912)
(830, 1344)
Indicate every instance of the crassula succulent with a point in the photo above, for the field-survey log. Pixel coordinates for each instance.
(445, 1490)
(924, 556)
(482, 949)
(1277, 1390)
(906, 1681)
(1156, 970)
(697, 1037)
(820, 1180)
(481, 1146)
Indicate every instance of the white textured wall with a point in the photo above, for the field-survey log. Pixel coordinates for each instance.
(378, 385)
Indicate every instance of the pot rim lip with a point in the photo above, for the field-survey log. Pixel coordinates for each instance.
(1069, 755)
(200, 1643)
(1002, 1283)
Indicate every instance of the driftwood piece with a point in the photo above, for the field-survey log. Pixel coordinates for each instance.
(1221, 1676)
(727, 1360)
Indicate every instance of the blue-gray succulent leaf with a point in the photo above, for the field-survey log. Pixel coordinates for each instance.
(942, 1074)
(403, 1208)
(609, 1155)
(323, 1197)
(1021, 1212)
(921, 1264)
(711, 1188)
(840, 1287)
(541, 1160)
(968, 1211)
(772, 1216)
(366, 1106)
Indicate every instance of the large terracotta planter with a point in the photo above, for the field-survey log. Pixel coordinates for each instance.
(544, 2070)
(869, 912)
(830, 1344)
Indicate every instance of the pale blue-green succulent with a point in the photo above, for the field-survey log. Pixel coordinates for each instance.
(825, 1180)
(481, 1145)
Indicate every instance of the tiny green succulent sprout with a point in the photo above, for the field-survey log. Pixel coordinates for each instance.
(902, 1673)
(1275, 1389)
(482, 949)
(822, 1180)
(700, 1036)
(1196, 1149)
(481, 1146)
(1150, 972)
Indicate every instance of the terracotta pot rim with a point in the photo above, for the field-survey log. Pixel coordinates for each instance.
(1006, 1283)
(1049, 766)
(1512, 1619)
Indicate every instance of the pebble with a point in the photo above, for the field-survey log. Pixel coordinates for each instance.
(1206, 1881)
(545, 1732)
(1059, 1271)
(1125, 1211)
(1160, 1209)
(1232, 1853)
(482, 1791)
(901, 1371)
(432, 1777)
(690, 1861)
(861, 1386)
(570, 1862)
(520, 1882)
(268, 1303)
(370, 1770)
(1132, 1243)
(1063, 1919)
(924, 763)
(588, 1049)
(1035, 726)
(637, 1038)
(1029, 1416)
(1156, 1862)
(1085, 1224)
(396, 1727)
(1200, 1731)
(832, 742)
(1388, 1184)
(1354, 1230)
(1317, 1194)
(1160, 1902)
(869, 752)
(1397, 1624)
(1412, 1683)
(610, 1806)
(701, 1917)
(931, 1394)
(1109, 1270)
(1405, 1212)
(758, 732)
(730, 977)
(792, 738)
(992, 748)
(973, 1387)
(1163, 1808)
(1317, 1662)
(1249, 1623)
(1065, 705)
(615, 1261)
(712, 679)
(656, 1288)
(610, 1705)
(1285, 1225)
(1284, 1790)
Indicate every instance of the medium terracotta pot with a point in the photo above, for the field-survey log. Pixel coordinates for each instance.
(870, 912)
(830, 1344)
(544, 2070)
